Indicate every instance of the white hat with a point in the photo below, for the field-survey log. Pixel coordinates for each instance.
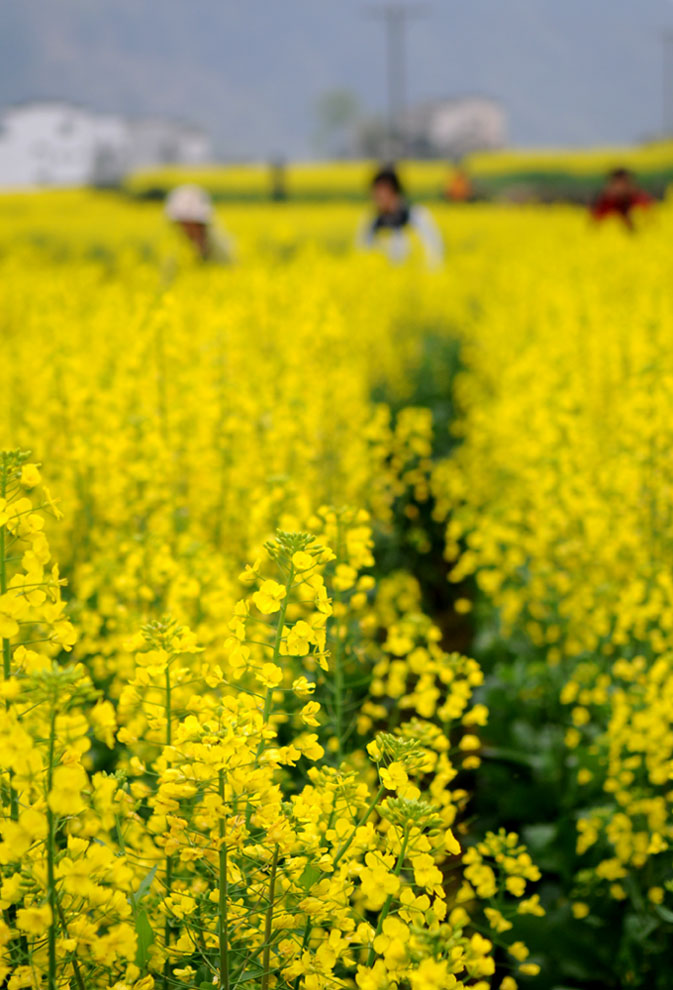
(189, 203)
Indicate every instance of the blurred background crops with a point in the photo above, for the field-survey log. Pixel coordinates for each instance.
(547, 175)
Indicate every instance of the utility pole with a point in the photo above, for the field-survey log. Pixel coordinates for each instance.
(395, 17)
(667, 88)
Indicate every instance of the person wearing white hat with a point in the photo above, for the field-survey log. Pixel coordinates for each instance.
(191, 208)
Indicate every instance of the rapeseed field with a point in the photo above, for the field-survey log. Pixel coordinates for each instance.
(336, 603)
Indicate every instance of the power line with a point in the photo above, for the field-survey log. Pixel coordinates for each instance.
(667, 80)
(395, 17)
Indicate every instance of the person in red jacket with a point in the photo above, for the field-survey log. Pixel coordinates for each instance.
(619, 197)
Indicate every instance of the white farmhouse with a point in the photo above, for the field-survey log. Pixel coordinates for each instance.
(454, 127)
(57, 144)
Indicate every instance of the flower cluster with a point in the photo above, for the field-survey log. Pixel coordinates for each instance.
(558, 514)
(245, 835)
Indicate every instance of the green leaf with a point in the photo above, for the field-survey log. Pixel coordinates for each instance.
(664, 913)
(309, 876)
(144, 887)
(250, 974)
(541, 835)
(639, 927)
(507, 755)
(145, 937)
(545, 846)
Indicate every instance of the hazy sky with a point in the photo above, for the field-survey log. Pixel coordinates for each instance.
(567, 71)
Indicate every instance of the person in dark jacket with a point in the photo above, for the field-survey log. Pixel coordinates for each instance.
(395, 220)
(619, 197)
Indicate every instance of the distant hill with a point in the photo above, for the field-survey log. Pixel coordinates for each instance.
(568, 71)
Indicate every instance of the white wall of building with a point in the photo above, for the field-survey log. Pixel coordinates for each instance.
(476, 121)
(55, 144)
(456, 127)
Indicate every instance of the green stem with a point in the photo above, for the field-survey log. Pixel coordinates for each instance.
(341, 853)
(6, 647)
(389, 899)
(338, 666)
(268, 700)
(169, 713)
(266, 958)
(368, 810)
(51, 843)
(169, 859)
(75, 965)
(338, 692)
(224, 895)
(6, 654)
(281, 614)
(307, 934)
(19, 947)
